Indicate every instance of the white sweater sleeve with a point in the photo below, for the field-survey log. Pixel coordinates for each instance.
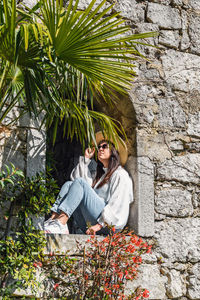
(82, 170)
(116, 212)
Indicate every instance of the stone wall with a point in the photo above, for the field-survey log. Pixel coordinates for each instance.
(166, 100)
(166, 103)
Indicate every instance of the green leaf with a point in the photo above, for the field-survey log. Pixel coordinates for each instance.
(8, 180)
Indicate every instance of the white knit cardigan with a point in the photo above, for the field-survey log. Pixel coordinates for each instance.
(117, 193)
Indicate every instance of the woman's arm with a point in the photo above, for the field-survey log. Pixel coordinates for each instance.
(82, 170)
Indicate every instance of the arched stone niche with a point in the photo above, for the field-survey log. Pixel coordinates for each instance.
(65, 154)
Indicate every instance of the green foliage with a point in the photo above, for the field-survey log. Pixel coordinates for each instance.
(57, 59)
(31, 195)
(36, 195)
(17, 255)
(21, 244)
(9, 176)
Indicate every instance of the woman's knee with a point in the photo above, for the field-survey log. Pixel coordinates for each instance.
(67, 184)
(81, 181)
(64, 189)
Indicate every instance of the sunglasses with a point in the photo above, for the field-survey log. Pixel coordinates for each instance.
(104, 146)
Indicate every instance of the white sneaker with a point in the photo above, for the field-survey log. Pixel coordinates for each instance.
(56, 227)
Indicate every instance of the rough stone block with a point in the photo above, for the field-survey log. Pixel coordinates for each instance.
(194, 282)
(176, 145)
(194, 125)
(130, 9)
(195, 4)
(175, 285)
(185, 40)
(178, 239)
(146, 50)
(194, 32)
(83, 4)
(184, 19)
(149, 277)
(181, 168)
(174, 202)
(171, 114)
(62, 243)
(163, 15)
(195, 147)
(169, 38)
(181, 70)
(152, 145)
(141, 217)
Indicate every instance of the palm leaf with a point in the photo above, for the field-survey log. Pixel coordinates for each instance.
(93, 43)
(59, 59)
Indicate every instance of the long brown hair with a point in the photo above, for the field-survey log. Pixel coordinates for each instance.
(113, 164)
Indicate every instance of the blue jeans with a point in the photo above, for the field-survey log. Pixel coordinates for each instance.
(78, 198)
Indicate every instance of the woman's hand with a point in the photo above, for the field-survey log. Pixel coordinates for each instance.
(89, 152)
(93, 229)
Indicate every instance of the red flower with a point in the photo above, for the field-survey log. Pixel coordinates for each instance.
(55, 286)
(86, 276)
(39, 264)
(149, 249)
(139, 242)
(106, 240)
(145, 294)
(108, 292)
(113, 229)
(35, 265)
(120, 274)
(134, 259)
(116, 286)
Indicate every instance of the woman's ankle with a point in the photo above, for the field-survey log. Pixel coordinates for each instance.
(62, 218)
(54, 216)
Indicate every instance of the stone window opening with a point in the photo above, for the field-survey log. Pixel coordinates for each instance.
(65, 155)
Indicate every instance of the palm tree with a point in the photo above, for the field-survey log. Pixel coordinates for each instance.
(57, 59)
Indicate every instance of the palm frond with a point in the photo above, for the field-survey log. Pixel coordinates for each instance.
(58, 59)
(81, 122)
(93, 42)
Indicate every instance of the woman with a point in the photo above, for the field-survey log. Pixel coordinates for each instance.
(101, 199)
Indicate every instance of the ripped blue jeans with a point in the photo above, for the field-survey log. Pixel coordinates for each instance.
(78, 198)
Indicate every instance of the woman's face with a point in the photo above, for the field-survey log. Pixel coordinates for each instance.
(104, 153)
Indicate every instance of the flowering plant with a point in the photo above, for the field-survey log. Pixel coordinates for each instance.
(102, 269)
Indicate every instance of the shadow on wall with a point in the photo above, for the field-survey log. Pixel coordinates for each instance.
(23, 144)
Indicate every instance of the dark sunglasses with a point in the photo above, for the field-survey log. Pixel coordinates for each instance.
(104, 146)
